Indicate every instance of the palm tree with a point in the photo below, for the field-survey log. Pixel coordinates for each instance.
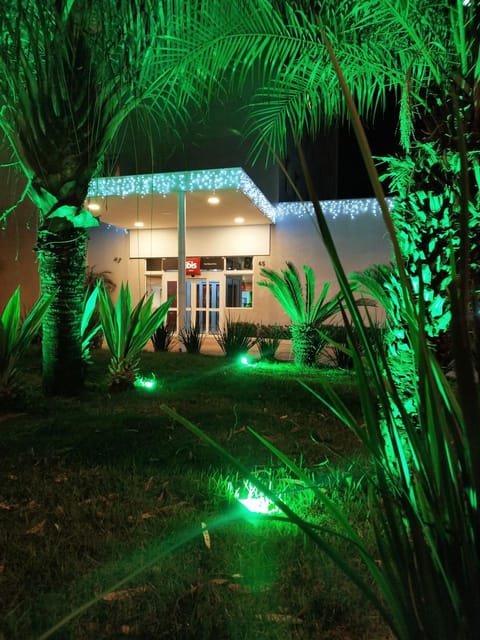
(306, 311)
(410, 49)
(426, 53)
(71, 73)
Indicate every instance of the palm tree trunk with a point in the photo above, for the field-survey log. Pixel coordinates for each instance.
(306, 344)
(61, 256)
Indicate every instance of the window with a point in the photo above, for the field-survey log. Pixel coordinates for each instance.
(239, 263)
(239, 291)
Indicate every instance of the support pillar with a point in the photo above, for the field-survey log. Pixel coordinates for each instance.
(182, 288)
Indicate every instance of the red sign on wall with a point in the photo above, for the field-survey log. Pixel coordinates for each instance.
(192, 266)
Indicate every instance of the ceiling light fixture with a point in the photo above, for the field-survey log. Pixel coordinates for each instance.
(138, 224)
(239, 220)
(213, 200)
(93, 206)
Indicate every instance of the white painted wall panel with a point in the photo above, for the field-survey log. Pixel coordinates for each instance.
(206, 241)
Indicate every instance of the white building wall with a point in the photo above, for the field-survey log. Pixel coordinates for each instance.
(357, 228)
(202, 241)
(359, 234)
(108, 250)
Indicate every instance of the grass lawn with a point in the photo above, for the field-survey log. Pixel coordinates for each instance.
(105, 499)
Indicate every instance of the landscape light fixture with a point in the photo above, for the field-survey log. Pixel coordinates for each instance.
(254, 500)
(145, 383)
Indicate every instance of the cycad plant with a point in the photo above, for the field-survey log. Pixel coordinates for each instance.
(306, 311)
(127, 329)
(15, 337)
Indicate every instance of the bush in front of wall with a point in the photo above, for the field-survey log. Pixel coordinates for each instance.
(236, 337)
(191, 338)
(162, 338)
(268, 341)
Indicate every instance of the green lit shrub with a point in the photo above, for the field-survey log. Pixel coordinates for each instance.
(236, 338)
(306, 311)
(15, 337)
(91, 325)
(268, 341)
(127, 330)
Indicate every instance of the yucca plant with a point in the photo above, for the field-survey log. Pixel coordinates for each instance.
(127, 330)
(236, 338)
(306, 311)
(162, 337)
(15, 338)
(191, 338)
(91, 327)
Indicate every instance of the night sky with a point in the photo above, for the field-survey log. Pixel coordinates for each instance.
(208, 142)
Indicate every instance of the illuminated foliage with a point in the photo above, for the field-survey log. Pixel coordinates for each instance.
(427, 218)
(127, 329)
(15, 337)
(383, 47)
(306, 310)
(71, 73)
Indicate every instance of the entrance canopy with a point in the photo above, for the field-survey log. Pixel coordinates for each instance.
(213, 197)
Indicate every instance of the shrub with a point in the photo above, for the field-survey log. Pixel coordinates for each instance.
(127, 329)
(191, 338)
(236, 337)
(268, 341)
(162, 337)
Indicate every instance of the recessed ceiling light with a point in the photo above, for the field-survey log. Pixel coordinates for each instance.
(239, 220)
(213, 200)
(138, 224)
(93, 206)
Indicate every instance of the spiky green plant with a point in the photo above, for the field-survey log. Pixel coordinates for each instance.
(90, 328)
(191, 338)
(425, 488)
(127, 330)
(306, 311)
(162, 337)
(268, 341)
(15, 337)
(235, 338)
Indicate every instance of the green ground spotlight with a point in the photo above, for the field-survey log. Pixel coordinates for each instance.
(142, 382)
(253, 499)
(246, 361)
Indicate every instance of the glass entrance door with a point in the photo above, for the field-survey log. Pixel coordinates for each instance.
(203, 297)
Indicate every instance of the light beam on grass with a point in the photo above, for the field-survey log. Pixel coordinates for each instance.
(253, 499)
(150, 384)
